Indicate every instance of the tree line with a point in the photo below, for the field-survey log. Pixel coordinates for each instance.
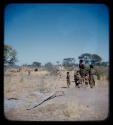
(10, 58)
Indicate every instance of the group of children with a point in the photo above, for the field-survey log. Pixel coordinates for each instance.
(81, 77)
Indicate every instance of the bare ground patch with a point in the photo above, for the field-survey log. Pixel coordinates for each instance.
(77, 104)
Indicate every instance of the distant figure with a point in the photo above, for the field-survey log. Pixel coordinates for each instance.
(82, 70)
(91, 76)
(77, 79)
(68, 79)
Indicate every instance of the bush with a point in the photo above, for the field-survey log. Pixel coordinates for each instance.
(51, 68)
(102, 71)
(35, 69)
(69, 68)
(98, 75)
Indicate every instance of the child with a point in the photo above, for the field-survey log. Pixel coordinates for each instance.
(68, 79)
(77, 78)
(86, 79)
(91, 77)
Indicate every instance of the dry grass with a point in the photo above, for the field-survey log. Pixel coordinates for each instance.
(103, 72)
(21, 85)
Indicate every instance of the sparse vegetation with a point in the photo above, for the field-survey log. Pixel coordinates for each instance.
(69, 63)
(32, 88)
(102, 71)
(9, 55)
(36, 86)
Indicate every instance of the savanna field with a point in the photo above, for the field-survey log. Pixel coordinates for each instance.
(51, 53)
(23, 91)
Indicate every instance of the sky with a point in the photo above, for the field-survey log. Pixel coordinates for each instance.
(52, 32)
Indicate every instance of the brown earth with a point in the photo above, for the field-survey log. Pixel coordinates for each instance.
(77, 104)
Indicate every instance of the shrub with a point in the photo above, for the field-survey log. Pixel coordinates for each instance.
(35, 69)
(102, 71)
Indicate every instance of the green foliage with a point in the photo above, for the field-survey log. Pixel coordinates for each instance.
(68, 63)
(91, 58)
(104, 63)
(96, 58)
(102, 71)
(68, 68)
(49, 66)
(36, 64)
(98, 75)
(86, 57)
(9, 55)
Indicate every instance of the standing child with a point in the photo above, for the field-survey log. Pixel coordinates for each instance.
(77, 79)
(82, 70)
(91, 76)
(86, 79)
(68, 79)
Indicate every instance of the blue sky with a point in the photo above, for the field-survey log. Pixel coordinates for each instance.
(52, 32)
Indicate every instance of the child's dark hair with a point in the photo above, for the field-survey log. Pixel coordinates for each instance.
(67, 72)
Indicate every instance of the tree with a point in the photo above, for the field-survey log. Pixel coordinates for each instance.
(9, 55)
(90, 58)
(104, 63)
(86, 57)
(25, 65)
(50, 67)
(96, 59)
(36, 64)
(68, 62)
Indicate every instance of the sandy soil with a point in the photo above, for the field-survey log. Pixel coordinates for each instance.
(77, 104)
